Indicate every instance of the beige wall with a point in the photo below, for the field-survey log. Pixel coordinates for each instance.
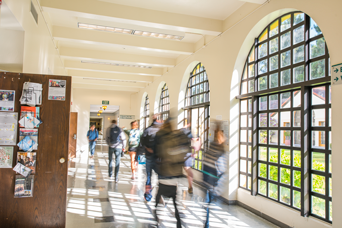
(223, 59)
(83, 98)
(40, 54)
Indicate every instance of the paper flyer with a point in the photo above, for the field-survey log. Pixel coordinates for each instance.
(6, 156)
(8, 128)
(57, 89)
(7, 98)
(27, 159)
(23, 170)
(32, 94)
(23, 186)
(32, 134)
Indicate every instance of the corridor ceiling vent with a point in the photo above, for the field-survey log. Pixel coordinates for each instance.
(117, 64)
(130, 31)
(111, 80)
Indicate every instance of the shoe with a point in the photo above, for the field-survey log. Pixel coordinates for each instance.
(190, 190)
(148, 197)
(116, 180)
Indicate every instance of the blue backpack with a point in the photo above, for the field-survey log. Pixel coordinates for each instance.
(115, 135)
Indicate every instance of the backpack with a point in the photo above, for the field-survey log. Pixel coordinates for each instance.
(171, 153)
(115, 135)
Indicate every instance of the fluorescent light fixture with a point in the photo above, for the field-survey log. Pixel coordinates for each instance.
(117, 64)
(129, 31)
(110, 80)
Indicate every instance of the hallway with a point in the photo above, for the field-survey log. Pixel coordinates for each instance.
(94, 200)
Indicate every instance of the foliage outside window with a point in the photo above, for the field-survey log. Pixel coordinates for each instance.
(164, 103)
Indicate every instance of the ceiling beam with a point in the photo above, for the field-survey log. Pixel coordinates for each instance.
(145, 43)
(106, 82)
(126, 77)
(77, 65)
(105, 56)
(102, 10)
(101, 87)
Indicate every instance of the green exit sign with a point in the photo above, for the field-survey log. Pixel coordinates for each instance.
(105, 102)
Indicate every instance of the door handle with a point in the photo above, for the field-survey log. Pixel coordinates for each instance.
(74, 136)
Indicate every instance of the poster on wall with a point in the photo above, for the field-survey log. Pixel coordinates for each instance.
(57, 90)
(7, 98)
(6, 156)
(8, 128)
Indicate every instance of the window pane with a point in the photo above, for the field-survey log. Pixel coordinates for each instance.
(243, 107)
(285, 195)
(274, 28)
(296, 118)
(285, 138)
(297, 139)
(273, 101)
(298, 17)
(262, 170)
(318, 139)
(249, 167)
(297, 100)
(262, 153)
(250, 107)
(243, 166)
(263, 120)
(243, 120)
(318, 183)
(249, 183)
(251, 71)
(251, 55)
(262, 81)
(243, 151)
(330, 211)
(298, 35)
(297, 158)
(273, 80)
(296, 199)
(250, 121)
(263, 35)
(244, 76)
(274, 45)
(317, 69)
(285, 40)
(318, 118)
(297, 178)
(314, 29)
(273, 134)
(318, 95)
(330, 187)
(263, 136)
(318, 206)
(286, 77)
(273, 155)
(298, 74)
(274, 63)
(285, 100)
(273, 119)
(317, 48)
(273, 191)
(251, 86)
(285, 22)
(285, 157)
(285, 176)
(298, 54)
(262, 103)
(249, 136)
(285, 119)
(285, 58)
(249, 151)
(243, 180)
(262, 66)
(318, 161)
(262, 51)
(262, 187)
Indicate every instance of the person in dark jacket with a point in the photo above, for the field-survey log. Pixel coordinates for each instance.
(147, 141)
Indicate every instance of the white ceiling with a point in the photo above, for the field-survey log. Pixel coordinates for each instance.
(214, 9)
(110, 108)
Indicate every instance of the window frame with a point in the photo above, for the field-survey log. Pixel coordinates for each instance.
(164, 107)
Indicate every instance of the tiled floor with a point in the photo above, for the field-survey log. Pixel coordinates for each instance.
(94, 200)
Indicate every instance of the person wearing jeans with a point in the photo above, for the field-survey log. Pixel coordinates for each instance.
(117, 148)
(92, 136)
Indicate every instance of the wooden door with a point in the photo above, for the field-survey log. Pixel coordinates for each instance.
(72, 134)
(47, 207)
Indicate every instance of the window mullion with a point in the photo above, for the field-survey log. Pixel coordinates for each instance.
(255, 140)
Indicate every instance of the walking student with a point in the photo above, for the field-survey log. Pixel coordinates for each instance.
(92, 136)
(116, 140)
(147, 141)
(133, 143)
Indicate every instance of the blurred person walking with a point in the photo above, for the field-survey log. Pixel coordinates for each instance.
(171, 147)
(92, 136)
(148, 143)
(214, 168)
(133, 144)
(116, 140)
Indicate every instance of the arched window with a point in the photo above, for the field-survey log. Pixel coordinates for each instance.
(164, 103)
(197, 109)
(146, 116)
(285, 107)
